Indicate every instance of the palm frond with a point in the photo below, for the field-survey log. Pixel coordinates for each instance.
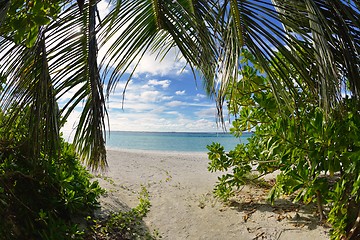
(345, 22)
(333, 30)
(90, 133)
(30, 89)
(318, 38)
(63, 59)
(143, 25)
(256, 25)
(73, 56)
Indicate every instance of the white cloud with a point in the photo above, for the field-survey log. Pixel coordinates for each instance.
(138, 99)
(148, 116)
(132, 106)
(163, 83)
(169, 65)
(166, 98)
(175, 103)
(207, 113)
(149, 96)
(173, 113)
(180, 93)
(66, 95)
(141, 92)
(199, 97)
(69, 128)
(152, 122)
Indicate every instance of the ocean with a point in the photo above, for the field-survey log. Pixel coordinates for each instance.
(171, 141)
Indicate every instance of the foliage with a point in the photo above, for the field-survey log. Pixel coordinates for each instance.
(51, 47)
(42, 198)
(47, 197)
(30, 15)
(124, 225)
(316, 153)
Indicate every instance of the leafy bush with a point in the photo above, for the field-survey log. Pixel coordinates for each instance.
(42, 201)
(48, 196)
(42, 197)
(317, 153)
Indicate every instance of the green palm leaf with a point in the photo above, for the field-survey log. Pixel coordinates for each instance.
(75, 68)
(4, 5)
(157, 26)
(317, 40)
(30, 89)
(70, 61)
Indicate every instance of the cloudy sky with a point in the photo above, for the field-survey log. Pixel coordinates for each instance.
(162, 96)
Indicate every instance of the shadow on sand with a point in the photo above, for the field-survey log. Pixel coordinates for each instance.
(254, 199)
(116, 220)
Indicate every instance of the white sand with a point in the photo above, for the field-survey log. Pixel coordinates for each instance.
(183, 207)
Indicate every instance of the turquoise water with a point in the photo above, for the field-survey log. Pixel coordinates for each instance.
(171, 141)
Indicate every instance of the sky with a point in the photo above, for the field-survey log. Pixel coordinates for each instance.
(162, 96)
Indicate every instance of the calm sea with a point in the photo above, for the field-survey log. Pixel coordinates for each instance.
(171, 141)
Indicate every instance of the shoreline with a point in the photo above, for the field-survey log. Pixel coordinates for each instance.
(150, 151)
(183, 206)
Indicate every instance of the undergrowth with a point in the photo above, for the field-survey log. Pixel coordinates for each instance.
(52, 197)
(314, 153)
(41, 198)
(124, 225)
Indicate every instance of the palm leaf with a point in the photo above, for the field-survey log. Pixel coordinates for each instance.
(30, 89)
(157, 26)
(74, 65)
(63, 59)
(333, 27)
(319, 39)
(90, 133)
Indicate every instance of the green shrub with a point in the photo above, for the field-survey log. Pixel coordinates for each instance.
(317, 153)
(48, 195)
(41, 198)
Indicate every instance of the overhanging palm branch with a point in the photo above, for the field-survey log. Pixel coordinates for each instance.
(30, 89)
(75, 63)
(258, 26)
(70, 58)
(210, 36)
(157, 26)
(318, 38)
(334, 29)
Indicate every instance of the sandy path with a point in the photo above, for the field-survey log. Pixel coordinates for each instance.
(183, 207)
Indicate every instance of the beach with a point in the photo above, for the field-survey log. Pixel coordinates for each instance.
(183, 206)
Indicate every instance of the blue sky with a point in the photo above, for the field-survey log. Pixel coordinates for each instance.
(162, 96)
